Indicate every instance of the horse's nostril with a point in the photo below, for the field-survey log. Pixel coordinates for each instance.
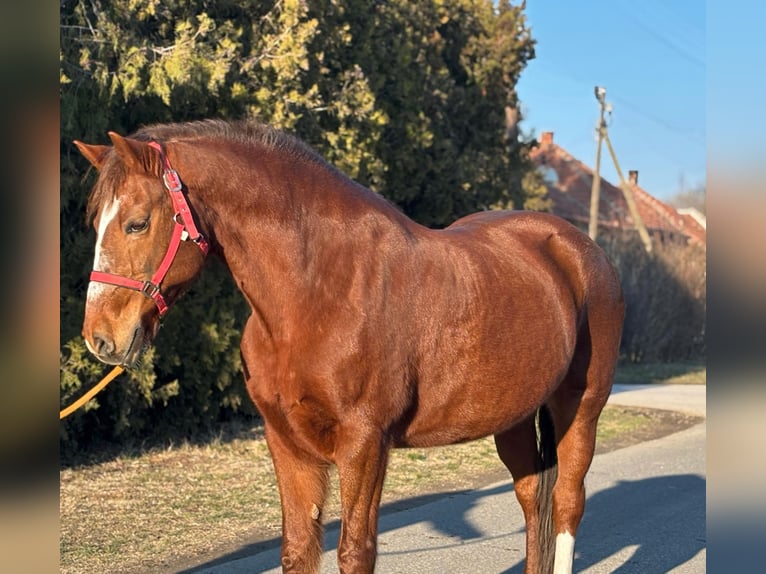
(103, 344)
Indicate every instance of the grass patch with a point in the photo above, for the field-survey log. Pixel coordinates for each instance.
(618, 422)
(666, 373)
(151, 511)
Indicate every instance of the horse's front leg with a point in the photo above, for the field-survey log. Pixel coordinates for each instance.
(302, 481)
(361, 457)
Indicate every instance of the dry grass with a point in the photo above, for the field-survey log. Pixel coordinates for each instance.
(676, 373)
(158, 509)
(135, 513)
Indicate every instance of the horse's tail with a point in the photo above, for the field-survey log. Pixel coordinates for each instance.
(547, 473)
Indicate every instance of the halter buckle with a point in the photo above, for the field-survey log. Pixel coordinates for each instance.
(172, 180)
(201, 242)
(150, 289)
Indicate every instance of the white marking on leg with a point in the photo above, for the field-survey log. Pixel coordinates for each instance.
(101, 260)
(562, 562)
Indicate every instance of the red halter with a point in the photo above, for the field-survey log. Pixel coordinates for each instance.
(184, 229)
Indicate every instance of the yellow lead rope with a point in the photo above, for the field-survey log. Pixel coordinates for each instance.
(91, 393)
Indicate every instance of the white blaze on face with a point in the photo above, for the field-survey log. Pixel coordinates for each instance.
(562, 563)
(101, 260)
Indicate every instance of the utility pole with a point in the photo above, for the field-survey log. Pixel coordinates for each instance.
(603, 135)
(595, 189)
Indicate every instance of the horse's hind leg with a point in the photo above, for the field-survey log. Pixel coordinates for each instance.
(517, 448)
(575, 452)
(575, 407)
(302, 489)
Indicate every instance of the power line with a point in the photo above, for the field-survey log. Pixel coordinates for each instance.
(696, 138)
(653, 30)
(691, 135)
(691, 22)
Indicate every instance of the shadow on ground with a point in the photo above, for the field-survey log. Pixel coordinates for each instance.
(616, 520)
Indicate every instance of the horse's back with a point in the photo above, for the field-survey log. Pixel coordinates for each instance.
(585, 265)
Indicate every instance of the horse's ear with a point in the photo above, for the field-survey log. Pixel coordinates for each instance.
(95, 154)
(130, 151)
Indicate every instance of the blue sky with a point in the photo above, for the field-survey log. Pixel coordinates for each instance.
(650, 55)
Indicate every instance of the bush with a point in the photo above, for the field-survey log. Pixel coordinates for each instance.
(665, 294)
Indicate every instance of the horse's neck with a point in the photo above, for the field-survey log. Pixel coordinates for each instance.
(286, 232)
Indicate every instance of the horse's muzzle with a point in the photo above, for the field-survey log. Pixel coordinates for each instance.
(106, 350)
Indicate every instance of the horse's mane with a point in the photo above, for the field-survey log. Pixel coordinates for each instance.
(246, 132)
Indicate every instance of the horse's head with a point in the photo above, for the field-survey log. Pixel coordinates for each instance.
(142, 263)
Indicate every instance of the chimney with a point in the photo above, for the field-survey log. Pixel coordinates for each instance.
(633, 177)
(546, 138)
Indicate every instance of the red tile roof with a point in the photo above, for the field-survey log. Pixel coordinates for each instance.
(569, 183)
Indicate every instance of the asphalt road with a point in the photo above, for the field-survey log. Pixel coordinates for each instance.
(645, 513)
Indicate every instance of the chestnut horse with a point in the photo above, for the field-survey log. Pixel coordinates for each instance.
(368, 331)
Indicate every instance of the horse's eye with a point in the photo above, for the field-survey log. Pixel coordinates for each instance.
(137, 226)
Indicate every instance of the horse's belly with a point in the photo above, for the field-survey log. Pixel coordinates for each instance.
(453, 414)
